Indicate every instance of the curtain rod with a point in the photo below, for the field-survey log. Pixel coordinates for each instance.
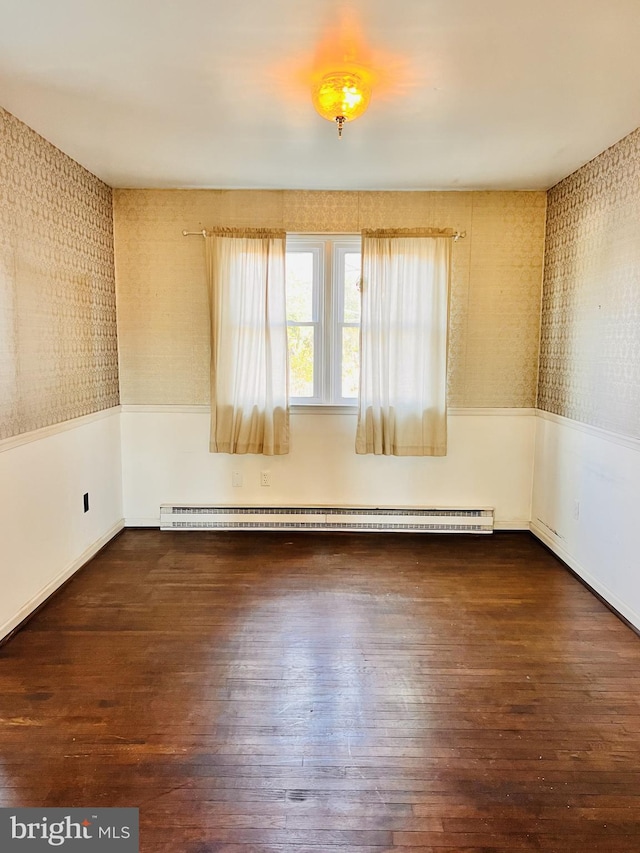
(457, 235)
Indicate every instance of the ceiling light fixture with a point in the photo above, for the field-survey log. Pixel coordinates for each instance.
(341, 96)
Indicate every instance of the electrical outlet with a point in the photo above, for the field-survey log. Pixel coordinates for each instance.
(265, 478)
(236, 479)
(85, 501)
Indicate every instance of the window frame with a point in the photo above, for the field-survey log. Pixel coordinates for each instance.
(327, 301)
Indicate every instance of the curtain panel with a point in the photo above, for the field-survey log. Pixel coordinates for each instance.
(402, 408)
(249, 360)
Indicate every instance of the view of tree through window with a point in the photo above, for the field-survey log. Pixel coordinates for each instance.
(301, 325)
(323, 318)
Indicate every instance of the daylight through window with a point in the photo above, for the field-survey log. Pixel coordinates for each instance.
(323, 318)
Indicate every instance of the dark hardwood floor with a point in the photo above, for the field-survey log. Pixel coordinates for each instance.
(302, 692)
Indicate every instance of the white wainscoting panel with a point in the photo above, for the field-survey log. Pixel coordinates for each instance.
(166, 460)
(45, 533)
(586, 506)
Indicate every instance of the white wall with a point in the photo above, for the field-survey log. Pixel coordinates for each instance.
(586, 506)
(166, 459)
(45, 534)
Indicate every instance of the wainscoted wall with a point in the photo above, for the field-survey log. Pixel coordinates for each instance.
(58, 364)
(163, 332)
(587, 464)
(46, 535)
(496, 280)
(165, 458)
(585, 506)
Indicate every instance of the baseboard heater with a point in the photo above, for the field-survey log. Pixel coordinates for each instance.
(407, 519)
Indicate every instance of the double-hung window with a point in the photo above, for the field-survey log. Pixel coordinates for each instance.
(323, 318)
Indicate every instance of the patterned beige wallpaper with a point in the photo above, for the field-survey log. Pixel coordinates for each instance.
(496, 283)
(58, 346)
(590, 340)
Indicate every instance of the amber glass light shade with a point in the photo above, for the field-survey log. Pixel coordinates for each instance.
(341, 96)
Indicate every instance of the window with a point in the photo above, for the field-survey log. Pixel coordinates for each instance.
(323, 319)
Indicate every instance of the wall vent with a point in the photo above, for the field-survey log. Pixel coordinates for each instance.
(407, 519)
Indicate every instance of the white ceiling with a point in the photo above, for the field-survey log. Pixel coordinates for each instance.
(468, 94)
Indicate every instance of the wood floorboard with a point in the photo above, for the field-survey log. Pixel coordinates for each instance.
(322, 693)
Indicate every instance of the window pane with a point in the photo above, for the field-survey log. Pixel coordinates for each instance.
(351, 292)
(350, 361)
(300, 361)
(300, 286)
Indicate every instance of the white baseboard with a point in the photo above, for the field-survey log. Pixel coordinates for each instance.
(64, 575)
(610, 597)
(517, 524)
(142, 522)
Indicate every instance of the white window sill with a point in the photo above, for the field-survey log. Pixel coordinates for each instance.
(321, 409)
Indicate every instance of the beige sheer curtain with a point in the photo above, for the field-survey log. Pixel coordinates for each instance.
(403, 357)
(249, 371)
